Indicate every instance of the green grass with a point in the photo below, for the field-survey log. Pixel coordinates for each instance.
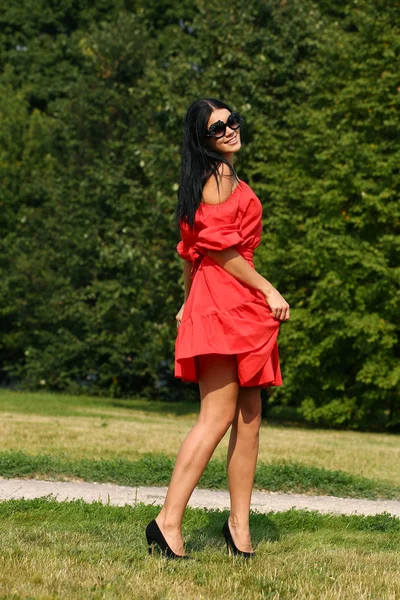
(58, 404)
(79, 551)
(156, 470)
(80, 427)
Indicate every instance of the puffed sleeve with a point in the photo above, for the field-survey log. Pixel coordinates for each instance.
(214, 237)
(219, 237)
(184, 246)
(183, 250)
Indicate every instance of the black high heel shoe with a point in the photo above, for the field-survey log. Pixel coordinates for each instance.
(155, 536)
(230, 544)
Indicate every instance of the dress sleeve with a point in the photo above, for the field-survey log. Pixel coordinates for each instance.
(183, 250)
(219, 237)
(184, 246)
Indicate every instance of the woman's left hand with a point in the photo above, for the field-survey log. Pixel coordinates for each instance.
(179, 315)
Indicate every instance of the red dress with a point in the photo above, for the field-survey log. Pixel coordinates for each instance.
(222, 314)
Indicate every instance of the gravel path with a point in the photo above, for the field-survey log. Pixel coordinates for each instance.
(120, 495)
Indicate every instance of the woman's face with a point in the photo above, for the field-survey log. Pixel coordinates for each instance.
(231, 140)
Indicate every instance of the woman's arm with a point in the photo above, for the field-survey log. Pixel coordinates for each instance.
(187, 269)
(230, 260)
(187, 282)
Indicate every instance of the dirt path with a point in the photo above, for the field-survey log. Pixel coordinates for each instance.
(120, 495)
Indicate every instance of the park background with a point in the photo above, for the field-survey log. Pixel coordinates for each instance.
(92, 101)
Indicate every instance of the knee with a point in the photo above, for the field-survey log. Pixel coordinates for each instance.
(249, 413)
(251, 416)
(250, 421)
(227, 421)
(224, 423)
(218, 425)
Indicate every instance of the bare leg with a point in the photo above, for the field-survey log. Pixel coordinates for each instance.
(219, 386)
(241, 463)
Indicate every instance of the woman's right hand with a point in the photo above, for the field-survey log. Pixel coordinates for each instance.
(179, 315)
(280, 309)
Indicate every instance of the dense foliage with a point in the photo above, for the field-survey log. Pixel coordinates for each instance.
(92, 99)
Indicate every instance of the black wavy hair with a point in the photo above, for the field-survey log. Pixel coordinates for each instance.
(198, 162)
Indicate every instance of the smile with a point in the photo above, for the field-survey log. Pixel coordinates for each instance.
(233, 141)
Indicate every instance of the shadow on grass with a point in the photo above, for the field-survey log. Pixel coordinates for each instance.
(59, 404)
(62, 404)
(178, 409)
(208, 535)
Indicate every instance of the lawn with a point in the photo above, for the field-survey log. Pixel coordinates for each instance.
(127, 441)
(78, 551)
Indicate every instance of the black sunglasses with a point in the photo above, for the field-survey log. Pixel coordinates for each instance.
(218, 129)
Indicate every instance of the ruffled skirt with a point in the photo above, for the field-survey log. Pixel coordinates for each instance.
(223, 315)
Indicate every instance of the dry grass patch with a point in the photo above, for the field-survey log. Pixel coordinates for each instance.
(93, 437)
(110, 432)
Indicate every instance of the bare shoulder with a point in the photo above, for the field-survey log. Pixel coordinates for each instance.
(211, 194)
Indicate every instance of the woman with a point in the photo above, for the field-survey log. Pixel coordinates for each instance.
(227, 326)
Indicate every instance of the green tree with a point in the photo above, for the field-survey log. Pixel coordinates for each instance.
(92, 101)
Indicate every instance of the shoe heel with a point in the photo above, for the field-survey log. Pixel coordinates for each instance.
(230, 544)
(151, 543)
(156, 541)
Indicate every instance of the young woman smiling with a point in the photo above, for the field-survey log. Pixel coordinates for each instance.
(228, 324)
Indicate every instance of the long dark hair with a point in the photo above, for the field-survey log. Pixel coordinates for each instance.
(198, 161)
